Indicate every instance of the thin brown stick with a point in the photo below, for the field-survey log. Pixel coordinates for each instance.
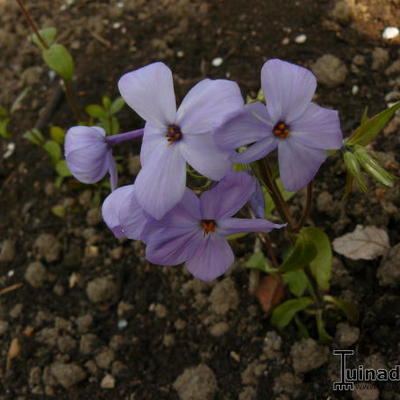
(10, 288)
(264, 237)
(71, 101)
(307, 208)
(31, 23)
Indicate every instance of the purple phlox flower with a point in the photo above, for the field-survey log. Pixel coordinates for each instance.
(88, 153)
(195, 230)
(173, 137)
(257, 201)
(301, 130)
(123, 215)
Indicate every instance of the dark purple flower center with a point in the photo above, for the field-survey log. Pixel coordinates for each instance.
(174, 133)
(208, 225)
(281, 130)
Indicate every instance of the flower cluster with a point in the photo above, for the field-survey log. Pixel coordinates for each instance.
(206, 131)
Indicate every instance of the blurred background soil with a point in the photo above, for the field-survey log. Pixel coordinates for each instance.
(89, 318)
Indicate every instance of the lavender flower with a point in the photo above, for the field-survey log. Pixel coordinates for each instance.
(88, 155)
(88, 152)
(300, 129)
(194, 231)
(123, 215)
(173, 137)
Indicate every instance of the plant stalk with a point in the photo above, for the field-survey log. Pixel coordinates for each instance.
(32, 23)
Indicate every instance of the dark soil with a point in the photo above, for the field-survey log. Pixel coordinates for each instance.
(159, 322)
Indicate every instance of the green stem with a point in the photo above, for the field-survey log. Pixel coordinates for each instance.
(71, 101)
(314, 289)
(307, 208)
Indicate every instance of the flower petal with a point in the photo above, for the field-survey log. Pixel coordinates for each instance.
(81, 137)
(228, 196)
(112, 170)
(248, 125)
(231, 226)
(173, 246)
(212, 259)
(150, 92)
(256, 151)
(288, 89)
(87, 153)
(298, 164)
(318, 127)
(207, 104)
(160, 184)
(201, 152)
(122, 213)
(153, 137)
(257, 201)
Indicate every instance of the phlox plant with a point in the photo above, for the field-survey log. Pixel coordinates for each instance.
(231, 145)
(216, 168)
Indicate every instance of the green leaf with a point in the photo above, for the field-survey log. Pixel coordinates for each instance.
(3, 112)
(59, 59)
(285, 312)
(301, 255)
(297, 282)
(260, 262)
(57, 134)
(117, 105)
(48, 35)
(114, 127)
(106, 102)
(58, 211)
(54, 149)
(17, 102)
(236, 236)
(348, 308)
(96, 111)
(3, 128)
(62, 169)
(324, 336)
(370, 128)
(321, 265)
(34, 136)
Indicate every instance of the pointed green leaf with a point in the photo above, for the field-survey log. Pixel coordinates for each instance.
(48, 35)
(321, 265)
(297, 282)
(3, 128)
(59, 59)
(96, 111)
(57, 134)
(301, 255)
(260, 262)
(106, 102)
(369, 129)
(54, 149)
(62, 169)
(34, 136)
(285, 312)
(348, 308)
(117, 105)
(324, 336)
(114, 126)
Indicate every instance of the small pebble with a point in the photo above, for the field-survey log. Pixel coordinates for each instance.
(285, 41)
(116, 25)
(122, 324)
(10, 150)
(354, 90)
(108, 382)
(300, 38)
(390, 32)
(217, 61)
(180, 53)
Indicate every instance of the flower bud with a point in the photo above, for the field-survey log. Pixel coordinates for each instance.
(353, 168)
(372, 167)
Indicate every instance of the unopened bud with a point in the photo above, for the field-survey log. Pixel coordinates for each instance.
(371, 166)
(353, 168)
